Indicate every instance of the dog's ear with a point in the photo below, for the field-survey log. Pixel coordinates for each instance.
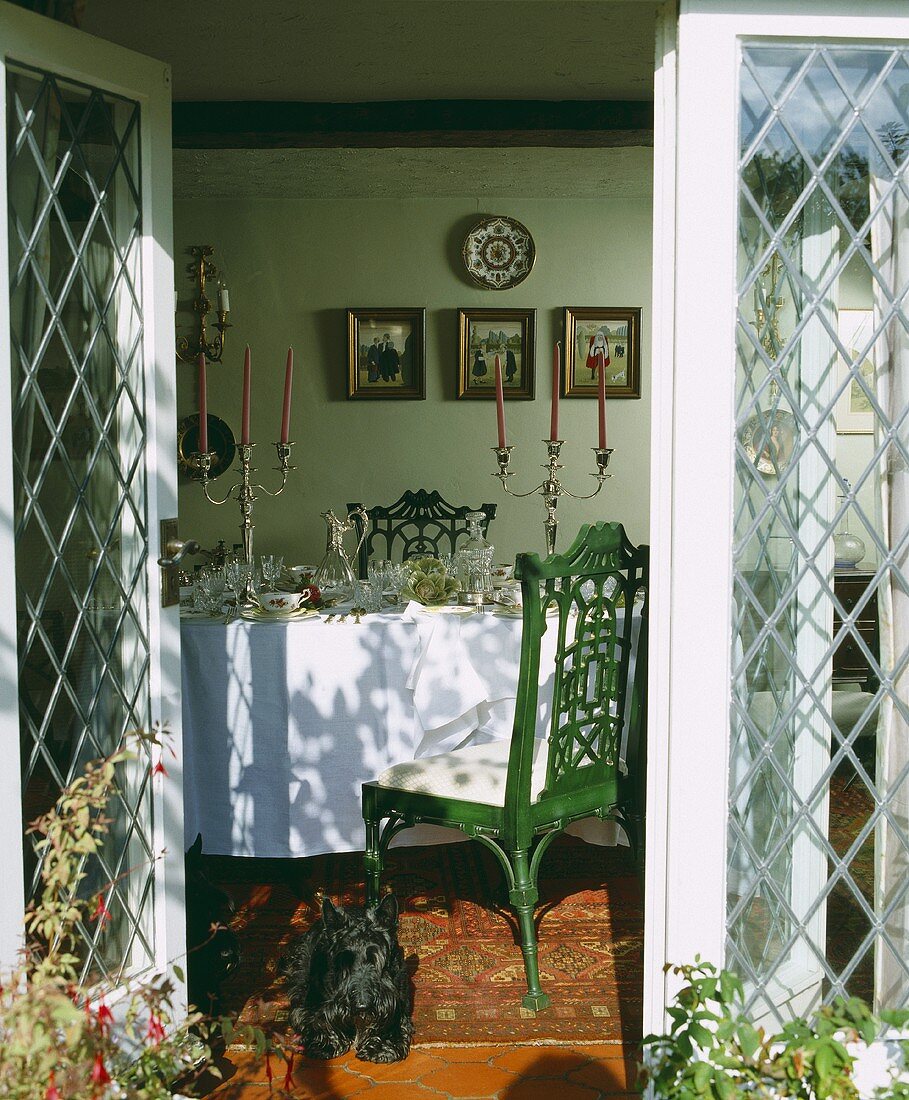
(385, 913)
(195, 851)
(332, 916)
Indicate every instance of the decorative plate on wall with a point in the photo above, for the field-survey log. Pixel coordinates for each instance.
(499, 253)
(220, 440)
(769, 440)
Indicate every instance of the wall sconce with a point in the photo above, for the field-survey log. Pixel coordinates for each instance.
(189, 349)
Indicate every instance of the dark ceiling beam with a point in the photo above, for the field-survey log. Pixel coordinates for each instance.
(449, 123)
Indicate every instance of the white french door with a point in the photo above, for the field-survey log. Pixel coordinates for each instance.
(780, 841)
(89, 468)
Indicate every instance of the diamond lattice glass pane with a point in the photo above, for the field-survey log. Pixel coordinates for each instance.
(816, 109)
(79, 433)
(819, 729)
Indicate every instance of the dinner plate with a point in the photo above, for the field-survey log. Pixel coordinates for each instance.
(516, 611)
(257, 615)
(448, 608)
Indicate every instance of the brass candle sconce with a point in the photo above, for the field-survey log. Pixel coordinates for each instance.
(203, 269)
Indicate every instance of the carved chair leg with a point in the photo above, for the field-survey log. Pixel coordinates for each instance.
(373, 856)
(523, 897)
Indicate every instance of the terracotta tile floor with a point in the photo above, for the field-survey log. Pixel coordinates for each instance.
(441, 1073)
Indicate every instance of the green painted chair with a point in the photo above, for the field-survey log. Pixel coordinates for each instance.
(516, 797)
(419, 523)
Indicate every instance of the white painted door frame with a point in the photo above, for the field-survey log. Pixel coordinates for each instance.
(694, 292)
(34, 40)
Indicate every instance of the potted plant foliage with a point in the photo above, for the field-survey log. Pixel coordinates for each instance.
(61, 1040)
(712, 1049)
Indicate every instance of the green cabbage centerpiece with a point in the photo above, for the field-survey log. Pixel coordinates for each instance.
(428, 582)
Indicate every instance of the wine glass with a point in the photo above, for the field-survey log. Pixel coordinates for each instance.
(377, 572)
(272, 567)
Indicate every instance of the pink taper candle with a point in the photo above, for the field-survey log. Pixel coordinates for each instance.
(244, 417)
(500, 404)
(556, 379)
(601, 384)
(288, 383)
(203, 407)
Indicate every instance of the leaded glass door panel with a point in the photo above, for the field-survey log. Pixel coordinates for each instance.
(90, 382)
(818, 832)
(785, 829)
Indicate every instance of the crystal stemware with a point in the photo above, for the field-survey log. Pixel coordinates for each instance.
(377, 571)
(272, 567)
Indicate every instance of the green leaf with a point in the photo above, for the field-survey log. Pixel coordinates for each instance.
(178, 970)
(749, 1039)
(701, 1035)
(702, 1075)
(729, 986)
(724, 1087)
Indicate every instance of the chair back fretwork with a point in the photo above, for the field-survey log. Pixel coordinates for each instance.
(420, 523)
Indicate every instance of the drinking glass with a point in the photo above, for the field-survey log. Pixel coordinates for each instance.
(377, 570)
(234, 572)
(208, 592)
(272, 567)
(368, 595)
(395, 579)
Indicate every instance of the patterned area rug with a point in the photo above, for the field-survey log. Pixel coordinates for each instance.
(847, 925)
(460, 940)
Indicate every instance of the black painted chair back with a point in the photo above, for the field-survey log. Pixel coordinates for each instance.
(418, 523)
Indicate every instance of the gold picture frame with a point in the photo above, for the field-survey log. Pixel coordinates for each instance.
(617, 328)
(853, 412)
(386, 354)
(485, 333)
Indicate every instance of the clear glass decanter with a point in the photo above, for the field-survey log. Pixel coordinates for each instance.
(848, 549)
(475, 563)
(335, 577)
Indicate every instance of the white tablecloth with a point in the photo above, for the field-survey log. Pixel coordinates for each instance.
(283, 722)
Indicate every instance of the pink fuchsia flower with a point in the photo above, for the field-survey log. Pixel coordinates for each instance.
(105, 1018)
(289, 1076)
(100, 1076)
(155, 1032)
(101, 913)
(52, 1093)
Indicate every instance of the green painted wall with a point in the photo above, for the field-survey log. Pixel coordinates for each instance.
(293, 267)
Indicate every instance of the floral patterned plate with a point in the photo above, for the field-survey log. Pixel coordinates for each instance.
(499, 253)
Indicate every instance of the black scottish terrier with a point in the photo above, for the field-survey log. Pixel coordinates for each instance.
(213, 950)
(348, 984)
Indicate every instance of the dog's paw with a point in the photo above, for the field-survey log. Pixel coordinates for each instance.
(376, 1049)
(327, 1046)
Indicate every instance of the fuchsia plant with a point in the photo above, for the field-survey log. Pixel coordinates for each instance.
(59, 1039)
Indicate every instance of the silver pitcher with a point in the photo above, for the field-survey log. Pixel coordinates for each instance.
(335, 576)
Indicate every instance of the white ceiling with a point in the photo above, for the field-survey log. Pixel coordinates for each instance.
(337, 51)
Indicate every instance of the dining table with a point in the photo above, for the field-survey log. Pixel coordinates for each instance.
(284, 720)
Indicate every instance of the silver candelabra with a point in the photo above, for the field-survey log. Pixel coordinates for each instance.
(246, 496)
(551, 487)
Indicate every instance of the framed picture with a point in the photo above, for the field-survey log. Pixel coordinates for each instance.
(484, 334)
(853, 412)
(610, 332)
(386, 353)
